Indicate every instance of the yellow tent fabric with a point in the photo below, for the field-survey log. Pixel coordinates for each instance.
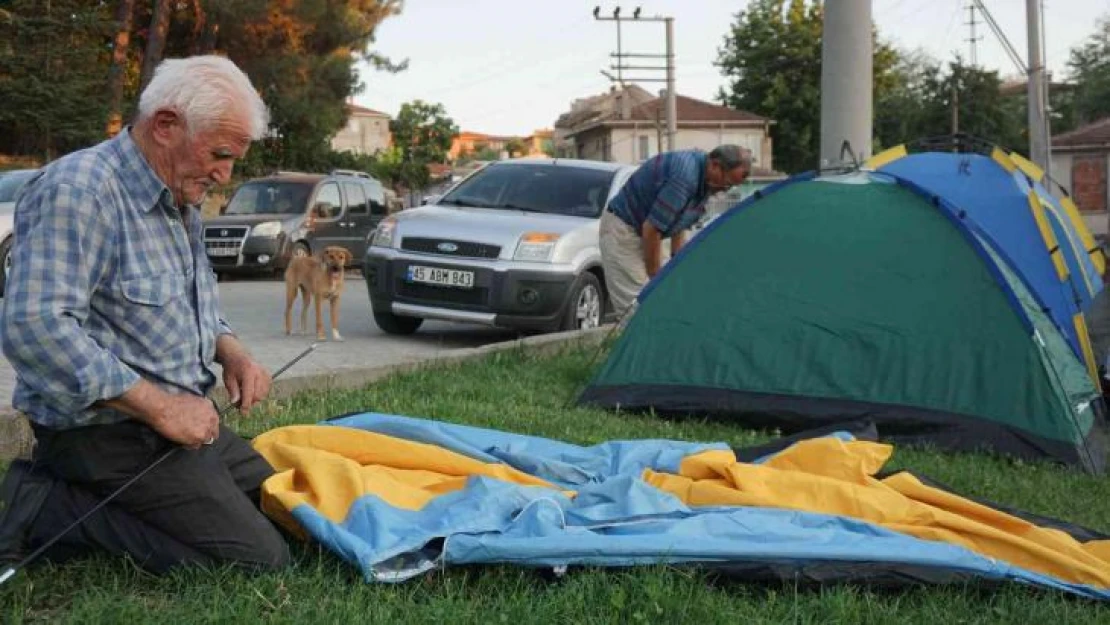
(832, 476)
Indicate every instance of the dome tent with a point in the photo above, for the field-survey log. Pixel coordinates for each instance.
(830, 298)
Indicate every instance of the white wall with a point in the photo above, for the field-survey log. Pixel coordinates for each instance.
(363, 134)
(627, 142)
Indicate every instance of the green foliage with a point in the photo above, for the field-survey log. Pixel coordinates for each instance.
(53, 73)
(1089, 64)
(771, 59)
(423, 133)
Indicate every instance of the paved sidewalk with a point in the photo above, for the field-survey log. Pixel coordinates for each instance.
(255, 309)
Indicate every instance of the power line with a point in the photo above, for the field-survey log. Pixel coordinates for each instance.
(669, 68)
(973, 39)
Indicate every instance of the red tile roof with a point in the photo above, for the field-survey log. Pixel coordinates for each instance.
(1096, 133)
(692, 110)
(354, 108)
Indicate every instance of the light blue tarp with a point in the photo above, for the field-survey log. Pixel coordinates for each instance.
(616, 519)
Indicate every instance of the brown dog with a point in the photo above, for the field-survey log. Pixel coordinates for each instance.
(317, 278)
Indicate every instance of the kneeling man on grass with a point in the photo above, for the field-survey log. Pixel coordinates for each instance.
(111, 321)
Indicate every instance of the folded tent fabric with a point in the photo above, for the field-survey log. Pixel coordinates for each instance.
(398, 496)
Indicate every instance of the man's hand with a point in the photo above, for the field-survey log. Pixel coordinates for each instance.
(187, 419)
(247, 382)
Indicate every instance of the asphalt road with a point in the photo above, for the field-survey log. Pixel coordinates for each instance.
(255, 309)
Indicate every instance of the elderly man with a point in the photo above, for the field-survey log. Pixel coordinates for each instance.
(111, 321)
(662, 199)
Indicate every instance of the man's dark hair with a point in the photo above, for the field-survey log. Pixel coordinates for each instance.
(731, 156)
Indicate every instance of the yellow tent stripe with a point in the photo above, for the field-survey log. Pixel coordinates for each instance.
(1004, 160)
(1048, 235)
(1088, 280)
(885, 157)
(1080, 226)
(1030, 168)
(1085, 344)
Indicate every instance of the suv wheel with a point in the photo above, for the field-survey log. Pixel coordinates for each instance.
(585, 306)
(395, 324)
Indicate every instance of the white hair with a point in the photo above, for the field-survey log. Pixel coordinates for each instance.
(202, 89)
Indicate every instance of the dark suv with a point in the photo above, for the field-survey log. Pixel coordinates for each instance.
(270, 220)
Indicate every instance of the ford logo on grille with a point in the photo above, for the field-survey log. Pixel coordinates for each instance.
(447, 247)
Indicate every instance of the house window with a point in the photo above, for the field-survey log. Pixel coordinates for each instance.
(1088, 182)
(645, 146)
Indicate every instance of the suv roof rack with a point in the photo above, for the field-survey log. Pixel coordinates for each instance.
(350, 172)
(289, 172)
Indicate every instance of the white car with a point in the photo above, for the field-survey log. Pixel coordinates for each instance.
(10, 183)
(513, 245)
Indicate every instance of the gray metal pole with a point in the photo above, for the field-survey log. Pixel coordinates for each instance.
(1038, 126)
(846, 71)
(672, 112)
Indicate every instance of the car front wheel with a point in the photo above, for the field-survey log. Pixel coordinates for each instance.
(395, 324)
(585, 305)
(6, 259)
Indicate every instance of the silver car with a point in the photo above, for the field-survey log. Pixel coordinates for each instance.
(513, 245)
(11, 182)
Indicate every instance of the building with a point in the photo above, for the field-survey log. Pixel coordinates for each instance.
(629, 126)
(471, 143)
(366, 131)
(1079, 164)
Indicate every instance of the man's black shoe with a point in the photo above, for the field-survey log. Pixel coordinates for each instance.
(22, 494)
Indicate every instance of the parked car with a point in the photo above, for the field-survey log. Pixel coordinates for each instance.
(270, 220)
(514, 245)
(11, 182)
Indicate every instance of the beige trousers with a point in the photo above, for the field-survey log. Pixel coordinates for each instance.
(622, 259)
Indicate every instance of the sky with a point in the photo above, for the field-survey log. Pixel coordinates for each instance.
(507, 67)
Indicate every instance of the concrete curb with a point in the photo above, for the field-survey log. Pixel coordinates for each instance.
(17, 439)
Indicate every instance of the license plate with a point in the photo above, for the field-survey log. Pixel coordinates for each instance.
(223, 251)
(441, 277)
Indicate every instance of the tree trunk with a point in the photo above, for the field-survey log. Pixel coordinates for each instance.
(124, 10)
(156, 41)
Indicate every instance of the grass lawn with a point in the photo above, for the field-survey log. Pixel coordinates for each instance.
(529, 394)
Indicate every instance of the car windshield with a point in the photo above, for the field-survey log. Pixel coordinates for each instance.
(12, 182)
(269, 198)
(555, 189)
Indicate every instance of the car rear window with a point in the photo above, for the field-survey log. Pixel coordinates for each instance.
(266, 198)
(556, 189)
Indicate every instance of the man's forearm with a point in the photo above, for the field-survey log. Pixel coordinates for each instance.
(651, 241)
(228, 348)
(143, 402)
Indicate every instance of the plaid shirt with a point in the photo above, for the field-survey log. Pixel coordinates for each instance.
(668, 190)
(109, 283)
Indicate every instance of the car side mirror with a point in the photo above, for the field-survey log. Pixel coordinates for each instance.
(429, 199)
(223, 208)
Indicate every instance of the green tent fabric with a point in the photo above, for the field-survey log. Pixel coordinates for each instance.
(825, 300)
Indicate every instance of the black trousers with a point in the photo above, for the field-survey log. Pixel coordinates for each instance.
(195, 508)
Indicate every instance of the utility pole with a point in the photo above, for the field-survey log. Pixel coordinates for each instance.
(668, 67)
(973, 38)
(846, 75)
(1038, 121)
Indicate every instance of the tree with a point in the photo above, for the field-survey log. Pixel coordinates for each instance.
(423, 133)
(120, 48)
(53, 67)
(772, 61)
(1089, 65)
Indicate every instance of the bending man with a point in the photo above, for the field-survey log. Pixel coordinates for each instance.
(662, 199)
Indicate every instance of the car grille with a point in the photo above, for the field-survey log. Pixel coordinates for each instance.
(230, 232)
(465, 249)
(222, 243)
(444, 295)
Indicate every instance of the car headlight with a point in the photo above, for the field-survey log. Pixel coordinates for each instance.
(383, 234)
(536, 246)
(267, 229)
